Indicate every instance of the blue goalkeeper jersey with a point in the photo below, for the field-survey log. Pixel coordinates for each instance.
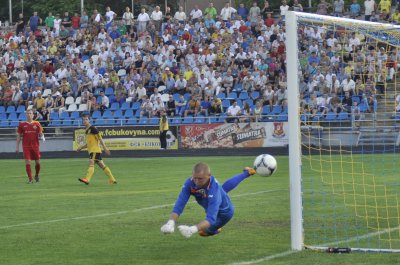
(213, 199)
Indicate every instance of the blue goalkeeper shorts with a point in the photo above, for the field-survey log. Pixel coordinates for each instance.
(222, 219)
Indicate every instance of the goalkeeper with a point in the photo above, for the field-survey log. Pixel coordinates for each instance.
(211, 196)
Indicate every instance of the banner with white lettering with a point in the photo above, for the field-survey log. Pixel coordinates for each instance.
(263, 134)
(130, 138)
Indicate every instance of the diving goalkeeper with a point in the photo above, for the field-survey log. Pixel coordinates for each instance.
(211, 196)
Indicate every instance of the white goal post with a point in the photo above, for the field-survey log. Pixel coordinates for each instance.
(295, 146)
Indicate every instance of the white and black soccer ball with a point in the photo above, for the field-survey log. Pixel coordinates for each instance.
(171, 139)
(265, 165)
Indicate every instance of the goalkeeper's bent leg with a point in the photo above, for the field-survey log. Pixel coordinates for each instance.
(232, 183)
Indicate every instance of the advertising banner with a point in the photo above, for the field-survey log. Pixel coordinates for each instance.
(232, 135)
(130, 137)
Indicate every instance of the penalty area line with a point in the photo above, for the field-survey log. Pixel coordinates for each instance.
(119, 212)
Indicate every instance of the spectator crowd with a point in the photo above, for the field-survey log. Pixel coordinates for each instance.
(199, 63)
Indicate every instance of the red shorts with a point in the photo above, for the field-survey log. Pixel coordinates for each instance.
(31, 153)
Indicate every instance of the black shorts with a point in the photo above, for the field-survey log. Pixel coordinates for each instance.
(95, 156)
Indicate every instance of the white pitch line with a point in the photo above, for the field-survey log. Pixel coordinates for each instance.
(290, 252)
(118, 213)
(254, 261)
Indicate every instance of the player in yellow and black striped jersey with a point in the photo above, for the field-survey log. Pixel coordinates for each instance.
(93, 143)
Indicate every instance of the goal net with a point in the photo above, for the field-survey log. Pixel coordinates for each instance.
(343, 133)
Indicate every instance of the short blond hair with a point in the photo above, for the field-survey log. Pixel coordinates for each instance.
(201, 167)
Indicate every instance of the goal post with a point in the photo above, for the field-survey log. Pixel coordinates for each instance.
(345, 178)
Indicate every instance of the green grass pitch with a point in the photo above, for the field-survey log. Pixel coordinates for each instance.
(62, 221)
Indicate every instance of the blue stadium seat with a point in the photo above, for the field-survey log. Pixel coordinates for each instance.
(250, 102)
(238, 87)
(282, 117)
(285, 110)
(137, 114)
(75, 115)
(99, 100)
(85, 57)
(154, 121)
(330, 116)
(187, 96)
(108, 114)
(136, 105)
(356, 99)
(266, 110)
(131, 121)
(76, 123)
(226, 104)
(2, 109)
(232, 95)
(118, 114)
(55, 123)
(13, 124)
(187, 120)
(129, 113)
(12, 117)
(20, 109)
(175, 120)
(114, 106)
(109, 121)
(243, 95)
(126, 106)
(239, 102)
(97, 91)
(109, 91)
(100, 122)
(213, 119)
(54, 116)
(67, 123)
(221, 118)
(96, 114)
(221, 95)
(199, 120)
(64, 116)
(255, 95)
(343, 116)
(363, 106)
(176, 96)
(22, 116)
(4, 123)
(143, 120)
(276, 110)
(10, 109)
(3, 116)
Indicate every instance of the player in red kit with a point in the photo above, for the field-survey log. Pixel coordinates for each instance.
(30, 131)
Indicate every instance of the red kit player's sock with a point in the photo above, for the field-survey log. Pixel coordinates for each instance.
(37, 169)
(29, 171)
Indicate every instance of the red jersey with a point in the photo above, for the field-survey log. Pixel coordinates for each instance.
(30, 133)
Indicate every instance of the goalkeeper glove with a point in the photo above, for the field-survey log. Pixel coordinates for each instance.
(43, 139)
(169, 227)
(187, 231)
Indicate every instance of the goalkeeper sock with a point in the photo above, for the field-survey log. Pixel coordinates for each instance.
(37, 169)
(90, 172)
(28, 171)
(107, 171)
(231, 183)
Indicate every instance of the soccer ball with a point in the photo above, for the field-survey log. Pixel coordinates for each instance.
(265, 165)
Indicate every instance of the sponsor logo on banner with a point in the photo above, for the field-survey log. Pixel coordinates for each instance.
(279, 132)
(234, 135)
(130, 138)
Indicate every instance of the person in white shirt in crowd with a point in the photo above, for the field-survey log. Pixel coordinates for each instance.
(110, 16)
(202, 81)
(128, 19)
(348, 85)
(158, 105)
(141, 91)
(180, 15)
(156, 17)
(227, 12)
(196, 14)
(369, 8)
(233, 112)
(143, 18)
